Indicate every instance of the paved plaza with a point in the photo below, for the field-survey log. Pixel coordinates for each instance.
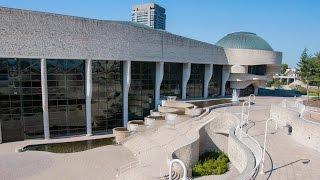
(286, 158)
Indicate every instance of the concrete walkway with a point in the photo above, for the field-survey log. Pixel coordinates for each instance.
(286, 158)
(99, 163)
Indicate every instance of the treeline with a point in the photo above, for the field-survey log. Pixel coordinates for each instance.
(309, 68)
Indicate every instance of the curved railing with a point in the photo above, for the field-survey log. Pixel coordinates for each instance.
(257, 150)
(297, 106)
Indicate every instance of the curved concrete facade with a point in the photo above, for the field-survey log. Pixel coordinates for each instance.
(46, 36)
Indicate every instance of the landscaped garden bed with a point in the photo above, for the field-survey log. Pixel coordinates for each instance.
(312, 103)
(211, 163)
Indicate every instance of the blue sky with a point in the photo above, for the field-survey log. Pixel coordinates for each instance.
(288, 25)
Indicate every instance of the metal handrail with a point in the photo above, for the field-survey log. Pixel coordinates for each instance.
(301, 109)
(253, 172)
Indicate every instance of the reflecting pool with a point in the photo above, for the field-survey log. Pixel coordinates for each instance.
(70, 147)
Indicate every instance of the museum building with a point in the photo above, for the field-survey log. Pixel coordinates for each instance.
(63, 75)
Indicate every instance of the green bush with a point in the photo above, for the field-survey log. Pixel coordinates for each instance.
(211, 163)
(301, 89)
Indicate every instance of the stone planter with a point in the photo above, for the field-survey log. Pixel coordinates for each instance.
(149, 121)
(120, 133)
(135, 125)
(194, 112)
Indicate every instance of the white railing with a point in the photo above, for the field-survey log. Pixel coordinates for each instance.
(184, 177)
(257, 149)
(297, 106)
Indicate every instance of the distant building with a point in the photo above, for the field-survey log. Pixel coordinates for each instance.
(290, 76)
(150, 14)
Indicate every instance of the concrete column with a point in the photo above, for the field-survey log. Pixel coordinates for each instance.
(256, 90)
(44, 91)
(208, 71)
(0, 133)
(88, 71)
(159, 77)
(225, 77)
(185, 78)
(126, 87)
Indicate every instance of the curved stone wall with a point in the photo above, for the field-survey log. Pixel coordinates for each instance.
(218, 134)
(304, 132)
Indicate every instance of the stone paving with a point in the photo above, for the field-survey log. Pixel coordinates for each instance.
(98, 163)
(286, 158)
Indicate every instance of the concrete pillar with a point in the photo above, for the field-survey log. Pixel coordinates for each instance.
(126, 87)
(225, 77)
(256, 90)
(88, 71)
(208, 71)
(44, 91)
(0, 133)
(159, 77)
(185, 78)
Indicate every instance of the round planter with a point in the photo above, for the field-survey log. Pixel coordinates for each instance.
(120, 133)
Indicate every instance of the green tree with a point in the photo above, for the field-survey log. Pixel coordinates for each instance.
(304, 66)
(284, 67)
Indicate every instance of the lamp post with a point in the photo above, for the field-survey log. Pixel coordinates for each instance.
(265, 142)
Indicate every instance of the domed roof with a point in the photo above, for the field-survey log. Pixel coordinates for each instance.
(244, 40)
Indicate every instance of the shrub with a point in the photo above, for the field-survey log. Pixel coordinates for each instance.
(211, 163)
(301, 89)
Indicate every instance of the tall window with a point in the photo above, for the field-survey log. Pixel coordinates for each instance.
(66, 96)
(106, 95)
(141, 93)
(20, 99)
(195, 83)
(215, 81)
(172, 79)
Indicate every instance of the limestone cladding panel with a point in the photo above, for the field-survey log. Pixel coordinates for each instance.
(239, 69)
(252, 57)
(43, 35)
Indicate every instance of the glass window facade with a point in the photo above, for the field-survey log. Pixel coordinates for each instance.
(257, 70)
(106, 95)
(214, 87)
(141, 93)
(20, 99)
(172, 80)
(196, 80)
(66, 96)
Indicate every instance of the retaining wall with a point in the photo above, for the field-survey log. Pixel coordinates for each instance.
(304, 132)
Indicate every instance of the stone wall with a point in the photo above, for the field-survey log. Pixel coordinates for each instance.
(304, 132)
(218, 134)
(30, 34)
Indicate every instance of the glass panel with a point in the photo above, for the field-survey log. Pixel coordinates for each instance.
(172, 79)
(195, 83)
(66, 96)
(214, 87)
(106, 96)
(141, 93)
(20, 105)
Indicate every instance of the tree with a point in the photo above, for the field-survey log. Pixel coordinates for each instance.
(284, 67)
(304, 65)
